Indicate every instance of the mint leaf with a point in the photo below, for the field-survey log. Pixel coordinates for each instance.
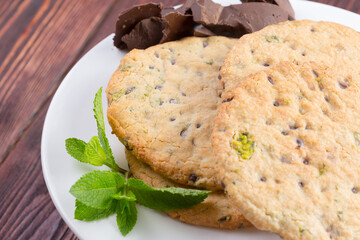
(129, 196)
(165, 199)
(94, 153)
(76, 148)
(99, 117)
(96, 188)
(126, 216)
(86, 213)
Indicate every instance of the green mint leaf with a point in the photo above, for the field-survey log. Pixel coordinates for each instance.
(86, 213)
(76, 148)
(94, 153)
(99, 117)
(129, 196)
(96, 188)
(165, 199)
(126, 216)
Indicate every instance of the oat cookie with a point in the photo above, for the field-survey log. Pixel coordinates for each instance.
(299, 41)
(288, 141)
(162, 102)
(216, 211)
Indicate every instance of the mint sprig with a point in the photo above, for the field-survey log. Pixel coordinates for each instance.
(100, 194)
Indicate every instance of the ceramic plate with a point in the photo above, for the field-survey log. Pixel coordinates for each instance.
(70, 115)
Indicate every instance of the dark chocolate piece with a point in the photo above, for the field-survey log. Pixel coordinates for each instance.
(260, 15)
(145, 34)
(131, 17)
(218, 19)
(203, 32)
(176, 25)
(186, 7)
(283, 4)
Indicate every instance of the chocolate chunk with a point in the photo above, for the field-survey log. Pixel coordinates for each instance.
(193, 177)
(283, 4)
(260, 15)
(145, 34)
(203, 32)
(176, 25)
(218, 19)
(186, 7)
(128, 19)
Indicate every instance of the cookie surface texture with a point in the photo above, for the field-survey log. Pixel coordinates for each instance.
(161, 105)
(295, 41)
(216, 211)
(289, 144)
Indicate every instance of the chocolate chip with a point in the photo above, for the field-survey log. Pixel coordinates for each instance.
(172, 119)
(301, 184)
(129, 90)
(354, 190)
(156, 55)
(223, 185)
(270, 80)
(293, 127)
(223, 85)
(266, 64)
(306, 161)
(284, 133)
(158, 87)
(228, 99)
(183, 94)
(173, 61)
(342, 85)
(205, 44)
(198, 125)
(172, 100)
(276, 103)
(327, 99)
(151, 67)
(268, 122)
(225, 218)
(312, 30)
(304, 54)
(219, 68)
(219, 77)
(193, 177)
(182, 133)
(299, 143)
(263, 179)
(315, 73)
(161, 102)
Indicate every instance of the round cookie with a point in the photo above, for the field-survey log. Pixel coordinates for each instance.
(161, 105)
(288, 141)
(295, 41)
(215, 211)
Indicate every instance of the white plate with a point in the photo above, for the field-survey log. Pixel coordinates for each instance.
(70, 115)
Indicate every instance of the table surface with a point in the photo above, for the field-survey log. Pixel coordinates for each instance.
(39, 44)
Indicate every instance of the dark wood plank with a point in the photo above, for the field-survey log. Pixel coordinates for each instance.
(26, 209)
(40, 41)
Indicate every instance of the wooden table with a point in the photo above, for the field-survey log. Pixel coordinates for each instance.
(40, 41)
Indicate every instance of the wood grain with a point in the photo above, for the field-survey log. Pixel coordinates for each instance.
(40, 40)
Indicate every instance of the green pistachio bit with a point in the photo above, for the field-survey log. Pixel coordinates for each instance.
(115, 96)
(124, 67)
(357, 138)
(322, 169)
(273, 38)
(340, 215)
(301, 229)
(210, 62)
(244, 145)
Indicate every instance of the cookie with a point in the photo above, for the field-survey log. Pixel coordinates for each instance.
(216, 211)
(161, 105)
(288, 144)
(296, 41)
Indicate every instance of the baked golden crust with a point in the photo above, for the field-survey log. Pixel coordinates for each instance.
(302, 125)
(216, 211)
(162, 102)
